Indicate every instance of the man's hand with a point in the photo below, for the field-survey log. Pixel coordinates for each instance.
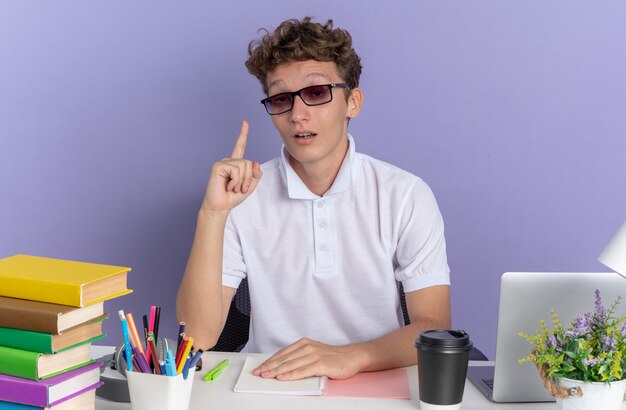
(232, 179)
(428, 308)
(307, 358)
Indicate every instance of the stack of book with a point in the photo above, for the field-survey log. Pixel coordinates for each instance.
(51, 310)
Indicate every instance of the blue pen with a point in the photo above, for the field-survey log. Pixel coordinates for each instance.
(129, 355)
(170, 364)
(195, 358)
(191, 362)
(186, 368)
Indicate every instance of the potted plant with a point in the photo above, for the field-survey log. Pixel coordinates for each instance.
(583, 366)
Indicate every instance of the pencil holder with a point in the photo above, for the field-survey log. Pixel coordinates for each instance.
(152, 391)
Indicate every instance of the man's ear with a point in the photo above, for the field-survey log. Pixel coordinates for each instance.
(355, 102)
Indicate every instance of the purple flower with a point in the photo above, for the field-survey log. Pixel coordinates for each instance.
(552, 341)
(589, 362)
(600, 312)
(608, 343)
(582, 326)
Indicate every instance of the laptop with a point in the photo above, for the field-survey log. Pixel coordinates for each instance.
(526, 298)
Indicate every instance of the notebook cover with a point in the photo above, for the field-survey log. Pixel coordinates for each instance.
(23, 363)
(384, 384)
(36, 316)
(77, 393)
(53, 280)
(83, 403)
(35, 393)
(40, 342)
(248, 383)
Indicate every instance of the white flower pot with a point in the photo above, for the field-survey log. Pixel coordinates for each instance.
(596, 396)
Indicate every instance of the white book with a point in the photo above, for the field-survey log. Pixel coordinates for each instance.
(249, 383)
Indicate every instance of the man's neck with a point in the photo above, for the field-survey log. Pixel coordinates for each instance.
(319, 176)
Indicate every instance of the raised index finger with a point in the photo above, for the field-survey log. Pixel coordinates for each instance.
(240, 144)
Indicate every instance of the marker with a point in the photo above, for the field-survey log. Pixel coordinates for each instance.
(157, 320)
(216, 371)
(195, 358)
(170, 366)
(144, 367)
(191, 362)
(127, 347)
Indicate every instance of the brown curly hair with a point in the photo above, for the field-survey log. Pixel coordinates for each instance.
(300, 40)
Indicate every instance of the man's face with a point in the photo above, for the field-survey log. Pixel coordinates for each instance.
(313, 135)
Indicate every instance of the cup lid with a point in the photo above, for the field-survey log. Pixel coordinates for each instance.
(444, 338)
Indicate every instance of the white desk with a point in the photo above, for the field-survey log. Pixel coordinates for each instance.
(219, 394)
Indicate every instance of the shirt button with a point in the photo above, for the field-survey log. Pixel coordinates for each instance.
(320, 204)
(323, 248)
(322, 225)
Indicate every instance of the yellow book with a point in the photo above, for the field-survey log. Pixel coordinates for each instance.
(60, 281)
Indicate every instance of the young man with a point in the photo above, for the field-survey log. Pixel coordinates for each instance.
(322, 233)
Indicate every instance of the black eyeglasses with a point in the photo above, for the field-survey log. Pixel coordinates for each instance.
(313, 95)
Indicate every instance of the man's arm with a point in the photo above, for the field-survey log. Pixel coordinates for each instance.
(428, 308)
(202, 302)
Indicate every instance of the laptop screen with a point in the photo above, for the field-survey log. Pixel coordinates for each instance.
(526, 298)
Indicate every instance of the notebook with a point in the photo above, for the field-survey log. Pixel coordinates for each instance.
(387, 384)
(249, 383)
(526, 298)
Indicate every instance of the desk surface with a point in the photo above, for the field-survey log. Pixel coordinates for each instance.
(221, 396)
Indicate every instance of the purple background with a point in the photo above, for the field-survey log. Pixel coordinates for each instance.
(112, 112)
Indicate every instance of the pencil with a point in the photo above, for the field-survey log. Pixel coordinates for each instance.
(155, 359)
(151, 327)
(181, 333)
(145, 335)
(185, 355)
(179, 353)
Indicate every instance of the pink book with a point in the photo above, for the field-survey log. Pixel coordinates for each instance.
(51, 391)
(386, 384)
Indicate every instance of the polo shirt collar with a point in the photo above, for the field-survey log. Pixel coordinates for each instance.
(296, 189)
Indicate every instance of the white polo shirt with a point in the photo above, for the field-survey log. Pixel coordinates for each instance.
(326, 267)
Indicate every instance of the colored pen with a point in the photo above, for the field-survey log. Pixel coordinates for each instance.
(134, 335)
(151, 328)
(144, 367)
(157, 320)
(195, 358)
(170, 367)
(136, 365)
(127, 347)
(216, 371)
(152, 318)
(186, 368)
